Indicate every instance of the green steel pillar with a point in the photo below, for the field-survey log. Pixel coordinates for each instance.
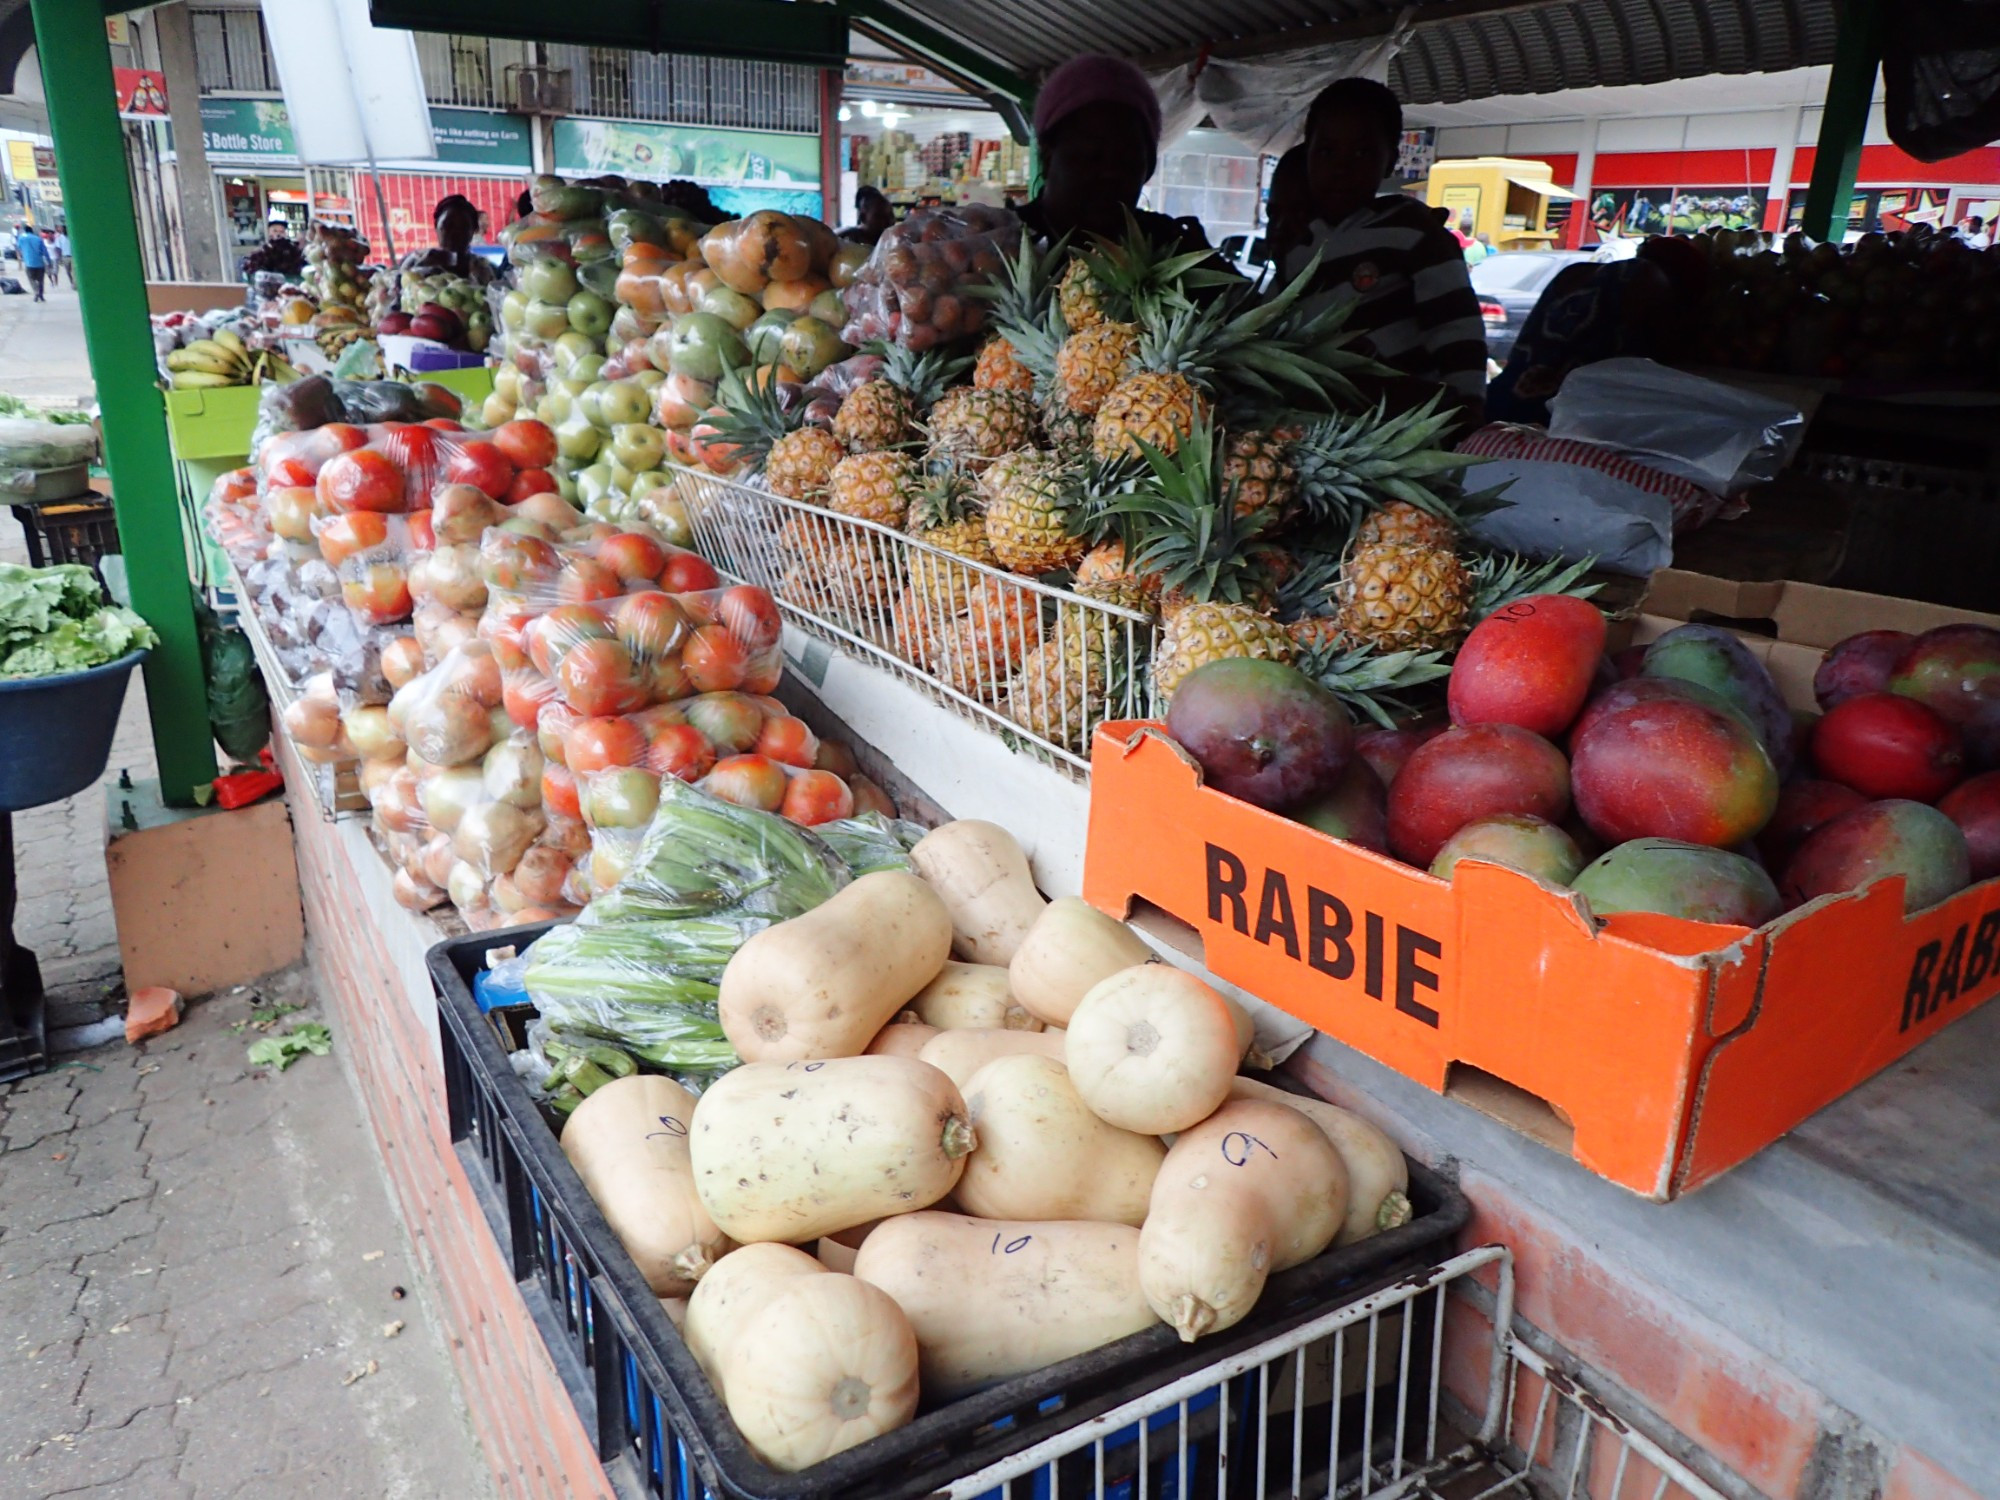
(104, 238)
(1850, 92)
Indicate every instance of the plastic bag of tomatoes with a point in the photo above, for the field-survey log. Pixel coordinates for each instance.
(617, 656)
(533, 567)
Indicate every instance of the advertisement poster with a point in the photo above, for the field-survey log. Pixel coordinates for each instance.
(1677, 210)
(1416, 155)
(247, 127)
(713, 158)
(142, 95)
(481, 138)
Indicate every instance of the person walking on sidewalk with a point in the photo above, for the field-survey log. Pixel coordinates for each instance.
(61, 261)
(34, 255)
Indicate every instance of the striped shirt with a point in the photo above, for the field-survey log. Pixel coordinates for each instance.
(1407, 277)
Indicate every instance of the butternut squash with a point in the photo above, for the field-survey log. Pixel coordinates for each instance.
(1043, 1155)
(984, 879)
(793, 1151)
(809, 1362)
(1072, 947)
(822, 984)
(902, 1037)
(836, 1251)
(629, 1143)
(989, 1299)
(967, 997)
(1253, 1189)
(1378, 1178)
(1152, 1049)
(960, 1054)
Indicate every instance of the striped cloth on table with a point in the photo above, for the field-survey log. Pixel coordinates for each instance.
(1407, 275)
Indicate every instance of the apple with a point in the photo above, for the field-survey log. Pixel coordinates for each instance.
(624, 401)
(590, 315)
(507, 382)
(586, 369)
(549, 280)
(587, 404)
(545, 320)
(555, 407)
(638, 446)
(577, 438)
(593, 484)
(496, 409)
(394, 322)
(514, 310)
(646, 378)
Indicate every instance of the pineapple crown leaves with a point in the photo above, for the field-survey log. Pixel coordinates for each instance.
(1352, 463)
(1309, 589)
(923, 377)
(1025, 313)
(754, 415)
(1498, 579)
(1186, 527)
(944, 496)
(1136, 282)
(1374, 682)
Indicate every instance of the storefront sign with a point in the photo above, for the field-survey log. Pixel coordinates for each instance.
(880, 73)
(247, 127)
(118, 30)
(1676, 210)
(714, 158)
(45, 161)
(21, 161)
(142, 95)
(481, 138)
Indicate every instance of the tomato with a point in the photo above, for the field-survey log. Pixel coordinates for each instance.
(584, 579)
(413, 448)
(234, 487)
(788, 741)
(732, 722)
(593, 744)
(423, 534)
(687, 572)
(291, 471)
(481, 465)
(559, 792)
(292, 508)
(669, 679)
(529, 482)
(524, 695)
(402, 661)
(527, 444)
(380, 595)
(363, 480)
(682, 751)
(650, 624)
(748, 781)
(552, 637)
(443, 424)
(869, 797)
(714, 659)
(598, 678)
(838, 758)
(516, 563)
(337, 437)
(751, 615)
(473, 673)
(558, 718)
(351, 535)
(817, 797)
(633, 556)
(764, 672)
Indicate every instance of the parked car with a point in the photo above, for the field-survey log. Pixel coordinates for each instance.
(1509, 284)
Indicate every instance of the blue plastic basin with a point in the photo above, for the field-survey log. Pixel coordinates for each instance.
(56, 732)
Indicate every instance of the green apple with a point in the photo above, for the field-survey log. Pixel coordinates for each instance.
(593, 484)
(514, 309)
(555, 407)
(763, 335)
(829, 308)
(638, 446)
(571, 346)
(496, 409)
(507, 382)
(705, 345)
(576, 438)
(624, 401)
(590, 314)
(670, 518)
(621, 797)
(646, 380)
(545, 320)
(620, 477)
(548, 280)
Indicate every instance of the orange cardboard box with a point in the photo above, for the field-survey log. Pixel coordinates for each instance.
(1657, 1052)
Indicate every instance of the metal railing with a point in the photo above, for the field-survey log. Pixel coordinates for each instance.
(1354, 1403)
(1036, 664)
(231, 52)
(469, 71)
(689, 90)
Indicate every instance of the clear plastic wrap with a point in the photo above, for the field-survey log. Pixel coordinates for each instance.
(616, 656)
(915, 288)
(871, 842)
(452, 714)
(26, 443)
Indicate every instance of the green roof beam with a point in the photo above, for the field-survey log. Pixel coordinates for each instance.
(1001, 86)
(1850, 94)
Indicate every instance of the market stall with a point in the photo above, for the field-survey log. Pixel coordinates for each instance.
(755, 639)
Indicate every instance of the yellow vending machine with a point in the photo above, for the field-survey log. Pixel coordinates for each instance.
(1502, 197)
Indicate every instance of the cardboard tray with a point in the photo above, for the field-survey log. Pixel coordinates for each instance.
(1657, 1052)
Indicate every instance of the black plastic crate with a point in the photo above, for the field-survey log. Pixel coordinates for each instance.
(661, 1431)
(83, 530)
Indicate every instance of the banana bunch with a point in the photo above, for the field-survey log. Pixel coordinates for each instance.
(225, 360)
(332, 340)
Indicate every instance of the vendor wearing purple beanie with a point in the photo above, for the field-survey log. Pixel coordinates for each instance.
(1097, 126)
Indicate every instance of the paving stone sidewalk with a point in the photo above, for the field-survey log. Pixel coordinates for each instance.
(201, 1276)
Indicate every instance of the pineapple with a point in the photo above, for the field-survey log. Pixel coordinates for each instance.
(970, 427)
(1371, 682)
(1356, 463)
(945, 513)
(1029, 500)
(1061, 692)
(1399, 595)
(1257, 469)
(1078, 297)
(874, 487)
(1211, 561)
(1090, 364)
(1000, 369)
(987, 643)
(1068, 432)
(1401, 522)
(1154, 407)
(801, 463)
(883, 412)
(1105, 575)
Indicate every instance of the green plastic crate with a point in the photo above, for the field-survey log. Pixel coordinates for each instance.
(213, 424)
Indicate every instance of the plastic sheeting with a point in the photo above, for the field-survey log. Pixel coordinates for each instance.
(1262, 101)
(1941, 77)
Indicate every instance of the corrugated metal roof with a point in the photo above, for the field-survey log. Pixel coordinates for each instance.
(1460, 49)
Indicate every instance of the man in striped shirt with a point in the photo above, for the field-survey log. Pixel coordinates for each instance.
(1388, 254)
